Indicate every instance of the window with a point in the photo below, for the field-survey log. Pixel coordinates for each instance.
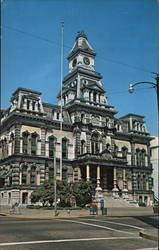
(64, 148)
(28, 104)
(57, 116)
(25, 143)
(12, 143)
(142, 157)
(33, 175)
(82, 147)
(33, 105)
(64, 174)
(24, 175)
(51, 175)
(51, 146)
(33, 144)
(94, 96)
(95, 144)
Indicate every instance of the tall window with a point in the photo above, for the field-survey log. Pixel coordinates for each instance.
(137, 157)
(94, 96)
(51, 175)
(143, 157)
(82, 147)
(64, 148)
(12, 143)
(51, 146)
(64, 174)
(25, 142)
(24, 175)
(33, 175)
(95, 144)
(33, 144)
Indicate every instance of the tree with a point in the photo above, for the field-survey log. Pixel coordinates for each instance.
(82, 191)
(44, 194)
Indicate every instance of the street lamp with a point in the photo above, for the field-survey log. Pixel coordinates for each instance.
(154, 85)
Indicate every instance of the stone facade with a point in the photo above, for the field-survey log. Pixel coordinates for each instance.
(114, 154)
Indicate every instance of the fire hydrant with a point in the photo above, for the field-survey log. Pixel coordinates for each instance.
(68, 212)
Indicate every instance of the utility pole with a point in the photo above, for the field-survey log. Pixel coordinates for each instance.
(55, 184)
(62, 31)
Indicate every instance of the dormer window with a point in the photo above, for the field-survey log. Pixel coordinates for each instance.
(28, 104)
(57, 116)
(33, 105)
(94, 96)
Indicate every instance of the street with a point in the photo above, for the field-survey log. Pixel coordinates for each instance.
(76, 233)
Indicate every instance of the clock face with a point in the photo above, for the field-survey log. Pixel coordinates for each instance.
(86, 60)
(74, 62)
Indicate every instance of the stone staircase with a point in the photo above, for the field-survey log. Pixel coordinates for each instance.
(110, 201)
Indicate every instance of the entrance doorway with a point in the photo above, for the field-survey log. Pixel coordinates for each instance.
(107, 178)
(25, 198)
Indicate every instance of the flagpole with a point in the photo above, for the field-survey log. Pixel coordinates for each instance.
(62, 31)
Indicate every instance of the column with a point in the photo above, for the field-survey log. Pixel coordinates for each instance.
(87, 173)
(124, 194)
(91, 96)
(79, 173)
(115, 180)
(97, 98)
(30, 105)
(98, 179)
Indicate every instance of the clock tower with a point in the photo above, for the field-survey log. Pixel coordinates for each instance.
(83, 84)
(82, 54)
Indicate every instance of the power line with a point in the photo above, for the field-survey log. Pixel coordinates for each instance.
(53, 42)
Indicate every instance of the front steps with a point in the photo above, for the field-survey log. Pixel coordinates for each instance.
(110, 201)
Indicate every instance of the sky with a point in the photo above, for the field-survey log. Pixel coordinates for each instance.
(124, 34)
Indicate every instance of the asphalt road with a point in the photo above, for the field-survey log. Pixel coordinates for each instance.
(108, 233)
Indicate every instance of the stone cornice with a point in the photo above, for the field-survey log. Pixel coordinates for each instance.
(92, 109)
(25, 119)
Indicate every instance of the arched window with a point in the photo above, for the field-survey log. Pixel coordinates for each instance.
(144, 182)
(33, 144)
(138, 157)
(64, 148)
(25, 142)
(94, 96)
(24, 175)
(95, 144)
(143, 157)
(64, 174)
(51, 146)
(33, 175)
(12, 143)
(82, 147)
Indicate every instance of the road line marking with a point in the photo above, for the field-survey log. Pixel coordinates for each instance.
(65, 240)
(115, 223)
(146, 249)
(93, 225)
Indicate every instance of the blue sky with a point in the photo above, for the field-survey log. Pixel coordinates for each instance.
(124, 33)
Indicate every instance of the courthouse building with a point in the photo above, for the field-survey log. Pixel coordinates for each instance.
(113, 153)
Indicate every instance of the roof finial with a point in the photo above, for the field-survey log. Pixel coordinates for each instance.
(81, 34)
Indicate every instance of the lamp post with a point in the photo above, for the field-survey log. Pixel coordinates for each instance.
(154, 85)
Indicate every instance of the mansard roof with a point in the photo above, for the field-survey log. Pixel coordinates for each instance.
(26, 90)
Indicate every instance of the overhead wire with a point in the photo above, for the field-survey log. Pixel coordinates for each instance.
(53, 42)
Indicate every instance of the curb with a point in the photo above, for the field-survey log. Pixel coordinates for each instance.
(148, 236)
(45, 217)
